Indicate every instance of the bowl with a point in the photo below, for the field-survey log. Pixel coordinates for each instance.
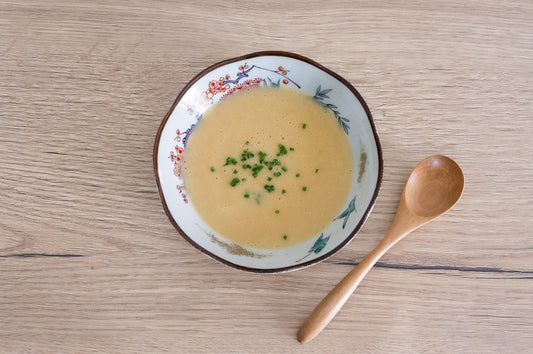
(273, 68)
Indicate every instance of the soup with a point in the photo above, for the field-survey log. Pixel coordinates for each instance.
(268, 168)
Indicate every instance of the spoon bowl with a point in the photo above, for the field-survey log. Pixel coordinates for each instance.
(434, 187)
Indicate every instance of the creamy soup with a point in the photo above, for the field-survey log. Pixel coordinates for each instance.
(268, 167)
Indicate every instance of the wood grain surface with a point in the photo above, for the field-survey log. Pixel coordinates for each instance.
(90, 263)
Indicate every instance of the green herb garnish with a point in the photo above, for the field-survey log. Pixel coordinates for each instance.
(269, 188)
(272, 163)
(284, 237)
(316, 171)
(277, 211)
(256, 169)
(262, 156)
(256, 161)
(234, 182)
(230, 161)
(282, 150)
(246, 155)
(304, 126)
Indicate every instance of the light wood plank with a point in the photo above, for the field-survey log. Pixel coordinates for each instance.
(90, 263)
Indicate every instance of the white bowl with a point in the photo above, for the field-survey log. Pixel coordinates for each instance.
(272, 68)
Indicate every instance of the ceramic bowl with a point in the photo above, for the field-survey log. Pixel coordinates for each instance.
(273, 69)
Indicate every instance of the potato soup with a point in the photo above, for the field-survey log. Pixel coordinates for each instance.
(268, 167)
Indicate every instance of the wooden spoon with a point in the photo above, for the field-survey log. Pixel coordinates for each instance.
(434, 186)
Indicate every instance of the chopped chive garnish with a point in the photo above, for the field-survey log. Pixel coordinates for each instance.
(304, 126)
(246, 155)
(282, 150)
(316, 171)
(269, 188)
(256, 169)
(230, 161)
(284, 237)
(272, 163)
(277, 211)
(262, 156)
(256, 161)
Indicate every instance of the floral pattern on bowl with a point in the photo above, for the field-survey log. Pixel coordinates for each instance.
(268, 69)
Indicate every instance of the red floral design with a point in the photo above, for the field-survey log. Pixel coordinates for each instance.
(216, 87)
(181, 190)
(176, 156)
(224, 85)
(245, 84)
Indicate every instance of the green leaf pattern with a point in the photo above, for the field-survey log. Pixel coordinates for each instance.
(318, 246)
(320, 96)
(322, 241)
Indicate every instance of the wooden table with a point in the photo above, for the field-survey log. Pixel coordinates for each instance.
(90, 263)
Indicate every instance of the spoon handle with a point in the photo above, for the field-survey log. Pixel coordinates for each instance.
(337, 297)
(404, 222)
(434, 186)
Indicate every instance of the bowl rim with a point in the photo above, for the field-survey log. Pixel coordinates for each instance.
(302, 58)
